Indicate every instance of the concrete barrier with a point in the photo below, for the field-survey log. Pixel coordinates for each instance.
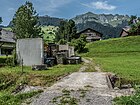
(31, 51)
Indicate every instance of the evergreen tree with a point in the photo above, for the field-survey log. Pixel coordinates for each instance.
(79, 44)
(135, 25)
(25, 22)
(0, 23)
(71, 30)
(67, 31)
(61, 31)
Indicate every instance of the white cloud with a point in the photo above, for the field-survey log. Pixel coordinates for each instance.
(52, 6)
(11, 9)
(102, 5)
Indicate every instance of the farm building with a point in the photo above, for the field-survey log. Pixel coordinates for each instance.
(125, 32)
(92, 35)
(7, 42)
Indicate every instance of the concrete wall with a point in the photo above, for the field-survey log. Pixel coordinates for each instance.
(71, 51)
(63, 47)
(30, 50)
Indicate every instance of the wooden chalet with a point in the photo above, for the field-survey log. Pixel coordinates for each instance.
(92, 35)
(125, 32)
(7, 42)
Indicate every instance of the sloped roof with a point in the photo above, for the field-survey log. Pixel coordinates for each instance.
(127, 29)
(7, 36)
(89, 29)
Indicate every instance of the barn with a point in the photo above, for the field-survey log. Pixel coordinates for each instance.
(91, 35)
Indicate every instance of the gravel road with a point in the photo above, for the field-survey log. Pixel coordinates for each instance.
(80, 88)
(93, 85)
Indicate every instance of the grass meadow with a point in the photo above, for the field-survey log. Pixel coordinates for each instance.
(12, 77)
(122, 57)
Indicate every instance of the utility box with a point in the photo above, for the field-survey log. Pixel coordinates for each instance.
(30, 51)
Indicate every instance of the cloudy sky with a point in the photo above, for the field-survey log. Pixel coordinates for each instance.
(70, 8)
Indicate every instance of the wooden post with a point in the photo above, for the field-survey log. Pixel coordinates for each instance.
(22, 66)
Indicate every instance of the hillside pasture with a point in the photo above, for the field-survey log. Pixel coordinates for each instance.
(120, 56)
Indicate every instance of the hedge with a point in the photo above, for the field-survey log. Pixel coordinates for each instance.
(6, 60)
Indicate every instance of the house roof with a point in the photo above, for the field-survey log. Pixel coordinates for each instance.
(127, 29)
(7, 36)
(89, 29)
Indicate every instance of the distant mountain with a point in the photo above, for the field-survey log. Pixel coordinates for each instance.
(47, 20)
(105, 19)
(108, 24)
(1, 26)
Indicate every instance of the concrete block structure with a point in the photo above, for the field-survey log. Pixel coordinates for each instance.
(30, 51)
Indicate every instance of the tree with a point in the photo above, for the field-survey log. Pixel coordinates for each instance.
(71, 30)
(79, 44)
(61, 31)
(25, 22)
(133, 20)
(0, 23)
(135, 25)
(67, 30)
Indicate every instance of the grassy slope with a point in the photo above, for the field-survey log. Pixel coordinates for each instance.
(121, 56)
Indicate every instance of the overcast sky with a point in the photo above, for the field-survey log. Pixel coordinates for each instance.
(70, 8)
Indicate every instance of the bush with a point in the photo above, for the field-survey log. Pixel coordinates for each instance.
(9, 61)
(62, 41)
(79, 44)
(2, 60)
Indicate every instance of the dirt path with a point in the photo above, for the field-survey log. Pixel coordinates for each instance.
(80, 88)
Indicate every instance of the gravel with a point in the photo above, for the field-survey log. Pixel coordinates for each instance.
(95, 86)
(86, 88)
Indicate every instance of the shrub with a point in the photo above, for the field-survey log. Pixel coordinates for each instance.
(2, 60)
(62, 41)
(79, 44)
(9, 61)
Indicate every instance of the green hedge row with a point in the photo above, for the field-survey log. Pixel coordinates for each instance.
(2, 60)
(6, 61)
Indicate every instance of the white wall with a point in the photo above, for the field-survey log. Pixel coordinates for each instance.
(31, 51)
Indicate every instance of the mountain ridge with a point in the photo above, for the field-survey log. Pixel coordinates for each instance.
(108, 24)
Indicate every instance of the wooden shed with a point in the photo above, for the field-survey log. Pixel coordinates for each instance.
(91, 34)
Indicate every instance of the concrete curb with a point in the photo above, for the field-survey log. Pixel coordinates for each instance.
(109, 82)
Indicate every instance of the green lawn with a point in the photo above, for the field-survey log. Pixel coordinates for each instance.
(11, 78)
(42, 78)
(120, 56)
